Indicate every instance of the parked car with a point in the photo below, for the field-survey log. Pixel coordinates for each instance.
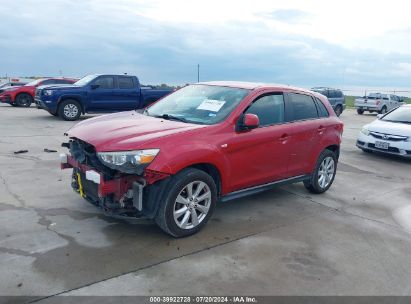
(390, 133)
(335, 97)
(23, 96)
(97, 94)
(8, 85)
(204, 143)
(377, 102)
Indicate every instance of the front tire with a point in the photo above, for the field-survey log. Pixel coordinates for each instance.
(69, 110)
(24, 100)
(383, 110)
(359, 111)
(188, 203)
(324, 173)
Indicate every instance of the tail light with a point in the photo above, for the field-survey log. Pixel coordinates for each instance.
(378, 102)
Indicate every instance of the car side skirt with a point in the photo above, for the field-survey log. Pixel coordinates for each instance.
(261, 188)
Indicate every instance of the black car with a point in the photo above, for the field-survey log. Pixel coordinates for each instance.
(335, 97)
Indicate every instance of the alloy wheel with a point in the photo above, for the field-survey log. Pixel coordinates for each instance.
(70, 110)
(192, 205)
(326, 172)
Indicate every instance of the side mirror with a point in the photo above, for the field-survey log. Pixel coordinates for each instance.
(94, 86)
(248, 122)
(379, 116)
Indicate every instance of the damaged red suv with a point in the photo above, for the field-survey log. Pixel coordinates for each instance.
(202, 144)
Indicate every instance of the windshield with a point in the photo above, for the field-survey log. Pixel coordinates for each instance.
(200, 104)
(401, 114)
(85, 80)
(33, 83)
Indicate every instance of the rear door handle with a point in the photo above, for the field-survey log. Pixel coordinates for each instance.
(284, 137)
(321, 129)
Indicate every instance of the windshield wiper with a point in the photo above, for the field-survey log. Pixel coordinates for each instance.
(172, 117)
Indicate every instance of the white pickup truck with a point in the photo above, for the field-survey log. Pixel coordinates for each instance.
(377, 102)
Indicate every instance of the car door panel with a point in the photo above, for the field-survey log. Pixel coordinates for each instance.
(102, 98)
(260, 155)
(305, 134)
(127, 94)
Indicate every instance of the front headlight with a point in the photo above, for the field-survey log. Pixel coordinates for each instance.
(48, 92)
(365, 131)
(128, 161)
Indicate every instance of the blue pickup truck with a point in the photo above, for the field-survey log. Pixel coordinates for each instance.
(96, 94)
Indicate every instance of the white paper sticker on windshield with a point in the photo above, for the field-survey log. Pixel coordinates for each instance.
(211, 105)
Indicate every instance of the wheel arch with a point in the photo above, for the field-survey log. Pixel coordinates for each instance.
(335, 149)
(211, 170)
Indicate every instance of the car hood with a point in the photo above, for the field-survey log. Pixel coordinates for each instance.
(55, 86)
(62, 87)
(387, 127)
(127, 131)
(11, 89)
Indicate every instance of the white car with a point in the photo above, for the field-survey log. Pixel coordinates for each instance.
(390, 133)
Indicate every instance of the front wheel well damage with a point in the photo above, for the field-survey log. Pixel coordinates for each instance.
(212, 171)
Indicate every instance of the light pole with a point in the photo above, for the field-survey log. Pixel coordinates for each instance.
(198, 72)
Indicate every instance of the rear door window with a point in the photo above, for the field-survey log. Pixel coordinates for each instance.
(269, 109)
(125, 82)
(303, 107)
(332, 94)
(64, 81)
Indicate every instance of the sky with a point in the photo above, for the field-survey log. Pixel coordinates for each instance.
(304, 43)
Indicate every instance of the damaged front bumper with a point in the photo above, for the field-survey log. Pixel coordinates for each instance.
(120, 195)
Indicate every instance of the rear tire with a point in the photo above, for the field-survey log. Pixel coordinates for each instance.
(69, 110)
(188, 203)
(338, 110)
(24, 100)
(323, 176)
(359, 111)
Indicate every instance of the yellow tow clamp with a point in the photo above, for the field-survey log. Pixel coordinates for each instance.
(80, 186)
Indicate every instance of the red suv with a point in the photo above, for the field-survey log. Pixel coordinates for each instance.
(202, 144)
(23, 96)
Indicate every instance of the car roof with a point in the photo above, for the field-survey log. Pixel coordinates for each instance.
(252, 85)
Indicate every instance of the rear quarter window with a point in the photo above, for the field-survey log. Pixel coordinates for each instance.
(125, 82)
(322, 110)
